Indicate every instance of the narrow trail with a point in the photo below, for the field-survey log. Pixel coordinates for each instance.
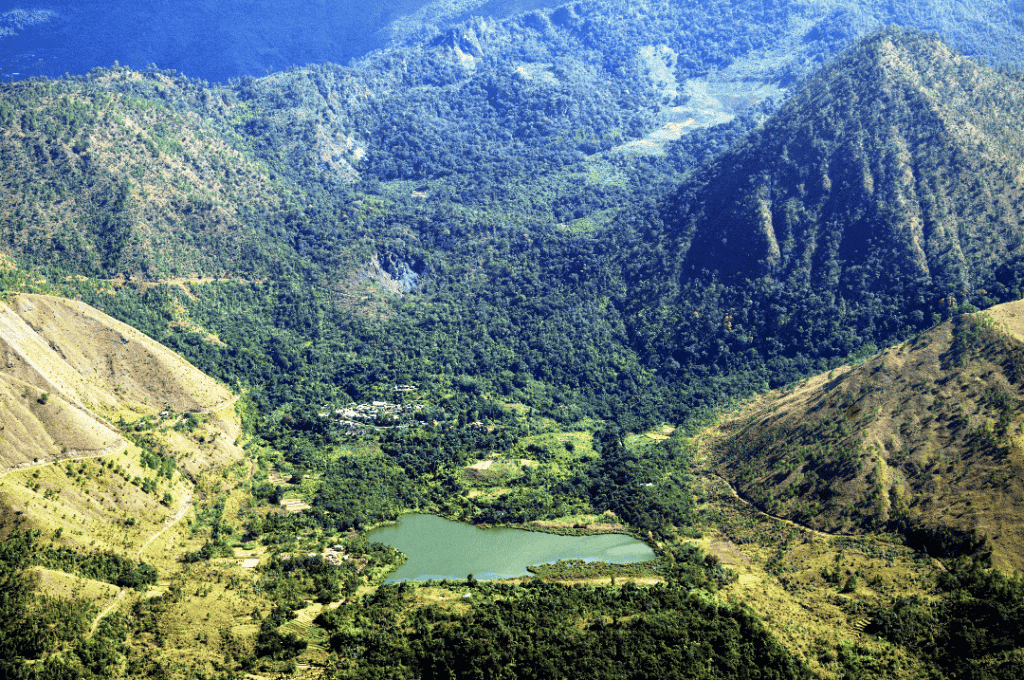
(168, 523)
(110, 450)
(776, 518)
(96, 622)
(936, 562)
(218, 407)
(206, 410)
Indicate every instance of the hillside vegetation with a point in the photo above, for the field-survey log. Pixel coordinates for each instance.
(344, 230)
(877, 200)
(501, 277)
(105, 183)
(923, 438)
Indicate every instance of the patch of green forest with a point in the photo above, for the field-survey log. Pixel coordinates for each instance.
(540, 630)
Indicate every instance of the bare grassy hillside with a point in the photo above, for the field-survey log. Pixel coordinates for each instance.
(108, 440)
(926, 438)
(68, 370)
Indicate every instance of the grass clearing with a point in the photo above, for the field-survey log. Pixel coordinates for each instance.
(814, 591)
(61, 584)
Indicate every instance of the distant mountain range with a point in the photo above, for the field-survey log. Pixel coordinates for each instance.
(219, 41)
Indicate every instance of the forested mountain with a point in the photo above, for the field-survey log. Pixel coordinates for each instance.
(591, 97)
(444, 171)
(885, 192)
(901, 142)
(813, 209)
(543, 241)
(550, 89)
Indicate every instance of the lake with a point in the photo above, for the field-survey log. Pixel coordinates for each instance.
(439, 549)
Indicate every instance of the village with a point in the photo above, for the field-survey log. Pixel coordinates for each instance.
(361, 419)
(332, 555)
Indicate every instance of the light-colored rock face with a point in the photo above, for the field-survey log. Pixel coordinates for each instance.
(67, 368)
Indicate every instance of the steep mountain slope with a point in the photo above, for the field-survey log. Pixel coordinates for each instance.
(68, 370)
(117, 457)
(104, 182)
(886, 187)
(902, 143)
(924, 438)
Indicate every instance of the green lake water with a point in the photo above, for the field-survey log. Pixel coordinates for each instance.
(438, 548)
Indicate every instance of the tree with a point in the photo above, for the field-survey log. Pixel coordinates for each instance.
(16, 636)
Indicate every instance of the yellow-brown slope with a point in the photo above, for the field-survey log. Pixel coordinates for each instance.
(66, 369)
(925, 437)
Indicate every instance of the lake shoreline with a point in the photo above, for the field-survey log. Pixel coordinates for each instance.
(442, 549)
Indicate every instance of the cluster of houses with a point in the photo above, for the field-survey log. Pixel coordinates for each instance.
(335, 555)
(358, 418)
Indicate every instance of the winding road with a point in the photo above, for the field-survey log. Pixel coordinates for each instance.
(795, 525)
(168, 523)
(116, 448)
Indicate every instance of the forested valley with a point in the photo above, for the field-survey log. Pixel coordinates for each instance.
(508, 276)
